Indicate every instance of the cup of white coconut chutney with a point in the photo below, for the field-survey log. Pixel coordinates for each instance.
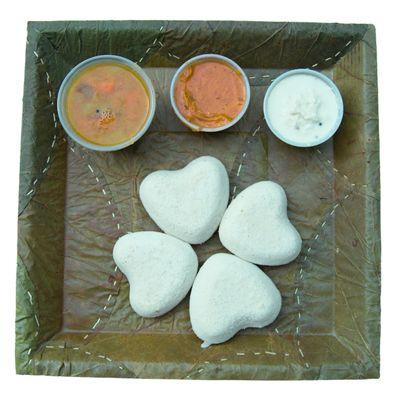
(303, 107)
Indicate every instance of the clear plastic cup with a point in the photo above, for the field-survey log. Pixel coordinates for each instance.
(329, 132)
(99, 60)
(203, 57)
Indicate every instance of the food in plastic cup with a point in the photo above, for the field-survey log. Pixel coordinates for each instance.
(106, 103)
(210, 93)
(303, 107)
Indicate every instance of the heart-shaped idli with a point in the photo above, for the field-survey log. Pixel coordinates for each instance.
(256, 228)
(228, 295)
(188, 203)
(160, 270)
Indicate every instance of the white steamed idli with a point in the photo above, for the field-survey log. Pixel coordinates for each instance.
(256, 228)
(228, 295)
(188, 203)
(160, 270)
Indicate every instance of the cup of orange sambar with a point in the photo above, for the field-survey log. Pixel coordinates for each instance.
(106, 103)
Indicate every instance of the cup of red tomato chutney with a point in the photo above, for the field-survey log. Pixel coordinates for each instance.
(106, 103)
(210, 93)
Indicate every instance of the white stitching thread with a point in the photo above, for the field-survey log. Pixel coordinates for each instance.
(244, 155)
(88, 353)
(347, 179)
(296, 291)
(51, 100)
(96, 323)
(104, 192)
(169, 53)
(30, 298)
(238, 354)
(336, 55)
(161, 44)
(147, 51)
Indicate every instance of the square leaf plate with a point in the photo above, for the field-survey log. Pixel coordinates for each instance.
(73, 312)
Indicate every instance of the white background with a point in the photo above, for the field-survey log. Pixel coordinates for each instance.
(15, 14)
